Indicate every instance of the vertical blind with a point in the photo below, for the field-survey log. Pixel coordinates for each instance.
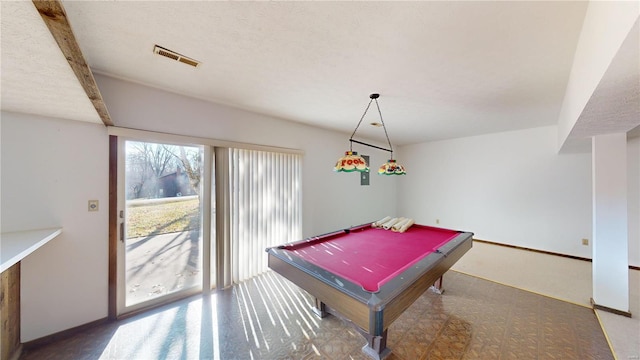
(265, 206)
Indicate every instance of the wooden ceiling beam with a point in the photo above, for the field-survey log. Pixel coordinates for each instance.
(53, 14)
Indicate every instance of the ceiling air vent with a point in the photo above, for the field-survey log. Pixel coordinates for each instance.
(175, 56)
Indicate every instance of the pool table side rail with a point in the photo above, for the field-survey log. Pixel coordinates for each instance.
(318, 273)
(427, 264)
(353, 308)
(401, 301)
(314, 239)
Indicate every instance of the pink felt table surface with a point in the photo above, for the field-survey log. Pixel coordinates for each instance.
(371, 257)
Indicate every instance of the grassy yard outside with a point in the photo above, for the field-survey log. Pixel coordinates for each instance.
(162, 216)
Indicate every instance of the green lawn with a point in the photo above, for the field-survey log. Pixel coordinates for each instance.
(162, 218)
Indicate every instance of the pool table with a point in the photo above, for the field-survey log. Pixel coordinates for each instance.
(369, 276)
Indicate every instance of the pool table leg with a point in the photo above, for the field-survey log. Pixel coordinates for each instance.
(320, 309)
(437, 286)
(376, 346)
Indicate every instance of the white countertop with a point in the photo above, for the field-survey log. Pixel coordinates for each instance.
(15, 246)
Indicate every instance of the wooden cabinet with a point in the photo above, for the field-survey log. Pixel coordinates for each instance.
(14, 247)
(10, 313)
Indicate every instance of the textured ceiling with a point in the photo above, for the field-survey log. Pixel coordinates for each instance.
(443, 69)
(614, 107)
(36, 78)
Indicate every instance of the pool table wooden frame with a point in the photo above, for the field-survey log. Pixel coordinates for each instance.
(371, 313)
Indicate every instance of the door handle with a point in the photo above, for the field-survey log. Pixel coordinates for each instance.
(122, 226)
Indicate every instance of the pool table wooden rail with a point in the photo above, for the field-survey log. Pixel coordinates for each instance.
(349, 306)
(401, 302)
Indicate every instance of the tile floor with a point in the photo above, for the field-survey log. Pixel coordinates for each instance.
(269, 318)
(561, 278)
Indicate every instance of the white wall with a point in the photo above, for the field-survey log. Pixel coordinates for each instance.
(50, 169)
(633, 200)
(510, 188)
(330, 200)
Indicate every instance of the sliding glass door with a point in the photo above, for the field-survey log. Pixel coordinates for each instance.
(161, 223)
(190, 216)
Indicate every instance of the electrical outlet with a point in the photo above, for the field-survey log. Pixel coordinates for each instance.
(437, 221)
(93, 205)
(585, 241)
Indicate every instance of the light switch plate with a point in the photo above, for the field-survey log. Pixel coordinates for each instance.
(93, 205)
(364, 176)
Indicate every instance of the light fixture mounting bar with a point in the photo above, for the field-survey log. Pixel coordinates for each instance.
(369, 145)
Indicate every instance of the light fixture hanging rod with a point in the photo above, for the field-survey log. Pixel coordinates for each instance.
(362, 117)
(373, 146)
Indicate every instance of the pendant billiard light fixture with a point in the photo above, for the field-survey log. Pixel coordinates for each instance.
(351, 161)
